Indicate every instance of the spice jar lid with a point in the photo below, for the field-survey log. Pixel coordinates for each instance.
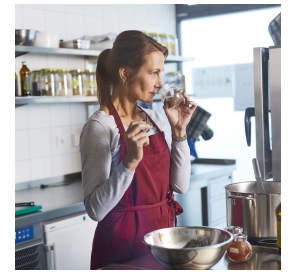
(234, 229)
(240, 237)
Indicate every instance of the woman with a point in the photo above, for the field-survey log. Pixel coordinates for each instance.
(130, 164)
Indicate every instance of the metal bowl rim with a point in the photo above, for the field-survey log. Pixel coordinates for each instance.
(231, 237)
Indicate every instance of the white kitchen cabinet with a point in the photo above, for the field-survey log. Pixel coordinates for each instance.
(68, 242)
(204, 204)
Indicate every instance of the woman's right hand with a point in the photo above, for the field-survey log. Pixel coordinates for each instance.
(136, 138)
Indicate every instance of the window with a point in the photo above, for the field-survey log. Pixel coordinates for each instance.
(222, 40)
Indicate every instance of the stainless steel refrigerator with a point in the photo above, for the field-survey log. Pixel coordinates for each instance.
(267, 111)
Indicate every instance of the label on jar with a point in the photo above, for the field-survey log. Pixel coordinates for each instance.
(233, 250)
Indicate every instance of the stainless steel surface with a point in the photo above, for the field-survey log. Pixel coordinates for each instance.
(263, 151)
(55, 201)
(275, 108)
(254, 212)
(25, 37)
(263, 258)
(20, 50)
(257, 172)
(76, 44)
(188, 247)
(19, 101)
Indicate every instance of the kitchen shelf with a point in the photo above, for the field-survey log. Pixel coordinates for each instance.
(21, 50)
(19, 101)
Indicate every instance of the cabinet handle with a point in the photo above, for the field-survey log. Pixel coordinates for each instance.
(49, 256)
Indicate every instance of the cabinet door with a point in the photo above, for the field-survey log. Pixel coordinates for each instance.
(217, 199)
(192, 204)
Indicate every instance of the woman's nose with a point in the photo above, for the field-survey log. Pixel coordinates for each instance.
(160, 82)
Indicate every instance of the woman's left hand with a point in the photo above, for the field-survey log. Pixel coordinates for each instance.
(180, 116)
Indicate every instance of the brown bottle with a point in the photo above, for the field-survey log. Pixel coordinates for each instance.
(25, 80)
(15, 86)
(278, 225)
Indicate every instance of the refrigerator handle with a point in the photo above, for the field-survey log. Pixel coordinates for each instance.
(49, 249)
(250, 112)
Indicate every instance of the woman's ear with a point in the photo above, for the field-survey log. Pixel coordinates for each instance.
(123, 73)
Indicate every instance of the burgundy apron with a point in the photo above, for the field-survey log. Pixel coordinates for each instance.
(147, 205)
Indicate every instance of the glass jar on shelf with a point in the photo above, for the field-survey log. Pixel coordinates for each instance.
(153, 35)
(163, 39)
(90, 82)
(175, 78)
(36, 88)
(173, 45)
(65, 82)
(49, 82)
(78, 82)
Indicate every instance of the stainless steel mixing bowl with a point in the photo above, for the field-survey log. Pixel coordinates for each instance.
(25, 37)
(188, 247)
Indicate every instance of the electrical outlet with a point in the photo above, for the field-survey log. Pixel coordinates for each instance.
(60, 141)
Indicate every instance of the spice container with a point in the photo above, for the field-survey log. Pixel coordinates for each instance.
(171, 94)
(64, 82)
(153, 35)
(239, 250)
(78, 82)
(173, 45)
(90, 82)
(36, 89)
(16, 85)
(163, 39)
(174, 78)
(25, 76)
(49, 82)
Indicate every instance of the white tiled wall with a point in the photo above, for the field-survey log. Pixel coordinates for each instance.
(46, 134)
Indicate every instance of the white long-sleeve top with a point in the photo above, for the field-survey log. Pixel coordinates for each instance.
(105, 181)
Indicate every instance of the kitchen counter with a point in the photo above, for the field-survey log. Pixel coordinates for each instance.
(65, 200)
(263, 258)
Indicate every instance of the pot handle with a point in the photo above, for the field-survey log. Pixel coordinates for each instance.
(243, 198)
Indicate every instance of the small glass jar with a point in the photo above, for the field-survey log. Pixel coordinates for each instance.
(49, 82)
(90, 82)
(163, 39)
(78, 82)
(239, 250)
(171, 94)
(64, 82)
(153, 35)
(173, 45)
(36, 85)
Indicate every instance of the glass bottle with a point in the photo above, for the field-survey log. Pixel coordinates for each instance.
(25, 80)
(278, 214)
(16, 85)
(239, 250)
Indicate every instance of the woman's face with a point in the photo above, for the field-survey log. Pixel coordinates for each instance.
(148, 80)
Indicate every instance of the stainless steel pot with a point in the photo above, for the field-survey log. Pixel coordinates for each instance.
(252, 211)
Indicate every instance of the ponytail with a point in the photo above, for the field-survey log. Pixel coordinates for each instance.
(103, 81)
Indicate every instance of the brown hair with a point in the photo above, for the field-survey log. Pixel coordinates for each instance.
(130, 49)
